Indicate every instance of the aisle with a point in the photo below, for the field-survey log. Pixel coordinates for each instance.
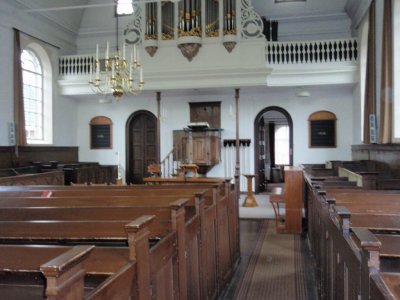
(273, 266)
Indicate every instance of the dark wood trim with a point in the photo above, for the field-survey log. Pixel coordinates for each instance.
(29, 154)
(237, 168)
(158, 126)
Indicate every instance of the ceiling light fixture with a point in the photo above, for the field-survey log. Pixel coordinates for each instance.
(115, 74)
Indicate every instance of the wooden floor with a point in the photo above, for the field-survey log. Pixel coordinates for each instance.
(273, 266)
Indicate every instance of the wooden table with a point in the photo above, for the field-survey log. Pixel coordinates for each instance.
(250, 201)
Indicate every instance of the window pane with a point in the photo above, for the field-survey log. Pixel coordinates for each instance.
(282, 145)
(33, 94)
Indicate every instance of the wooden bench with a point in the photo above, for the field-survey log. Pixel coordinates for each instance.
(219, 192)
(50, 177)
(345, 233)
(64, 270)
(160, 259)
(112, 272)
(208, 216)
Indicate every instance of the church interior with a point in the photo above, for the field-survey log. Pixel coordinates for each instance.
(200, 149)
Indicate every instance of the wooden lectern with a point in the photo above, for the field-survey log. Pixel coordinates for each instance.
(249, 201)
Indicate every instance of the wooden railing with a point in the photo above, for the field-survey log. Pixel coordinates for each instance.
(321, 51)
(290, 53)
(168, 165)
(71, 65)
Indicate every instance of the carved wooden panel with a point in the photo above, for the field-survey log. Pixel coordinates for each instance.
(197, 147)
(206, 112)
(46, 178)
(29, 154)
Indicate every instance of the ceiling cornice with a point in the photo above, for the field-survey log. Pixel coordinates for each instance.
(356, 9)
(49, 17)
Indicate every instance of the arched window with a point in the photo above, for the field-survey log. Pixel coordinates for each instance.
(37, 91)
(32, 75)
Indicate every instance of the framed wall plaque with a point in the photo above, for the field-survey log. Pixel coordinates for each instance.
(322, 130)
(100, 133)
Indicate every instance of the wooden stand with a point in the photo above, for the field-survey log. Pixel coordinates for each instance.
(250, 201)
(292, 197)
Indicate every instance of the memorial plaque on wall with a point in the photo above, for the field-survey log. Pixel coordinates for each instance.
(322, 133)
(101, 133)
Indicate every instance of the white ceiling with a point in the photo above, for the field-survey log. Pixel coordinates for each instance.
(72, 18)
(308, 8)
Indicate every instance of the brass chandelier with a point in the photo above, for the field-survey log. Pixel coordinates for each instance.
(115, 74)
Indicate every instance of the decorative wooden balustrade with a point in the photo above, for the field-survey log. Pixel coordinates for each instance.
(312, 52)
(297, 52)
(72, 65)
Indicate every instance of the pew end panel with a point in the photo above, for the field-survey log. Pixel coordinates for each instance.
(65, 274)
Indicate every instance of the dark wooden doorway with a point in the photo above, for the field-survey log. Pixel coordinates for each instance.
(142, 145)
(265, 124)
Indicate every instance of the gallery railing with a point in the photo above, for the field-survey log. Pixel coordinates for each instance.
(312, 52)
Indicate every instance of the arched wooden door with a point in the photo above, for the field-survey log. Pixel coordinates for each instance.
(265, 125)
(142, 145)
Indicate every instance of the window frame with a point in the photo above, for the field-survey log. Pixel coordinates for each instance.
(40, 76)
(39, 49)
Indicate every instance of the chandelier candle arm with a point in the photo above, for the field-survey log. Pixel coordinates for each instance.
(123, 51)
(97, 71)
(107, 50)
(130, 67)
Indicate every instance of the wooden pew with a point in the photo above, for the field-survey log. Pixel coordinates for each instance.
(335, 236)
(226, 229)
(64, 269)
(208, 213)
(161, 260)
(51, 177)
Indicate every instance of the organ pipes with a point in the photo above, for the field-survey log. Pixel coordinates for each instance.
(189, 18)
(212, 18)
(167, 20)
(151, 21)
(229, 17)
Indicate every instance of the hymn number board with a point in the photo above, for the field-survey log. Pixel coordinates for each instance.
(322, 129)
(101, 133)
